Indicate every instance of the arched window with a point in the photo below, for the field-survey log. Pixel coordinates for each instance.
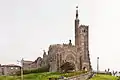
(84, 30)
(70, 57)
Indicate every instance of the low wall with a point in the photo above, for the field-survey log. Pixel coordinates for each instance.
(80, 77)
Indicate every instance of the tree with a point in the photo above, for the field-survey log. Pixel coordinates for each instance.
(105, 71)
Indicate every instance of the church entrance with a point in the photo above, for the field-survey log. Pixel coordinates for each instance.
(68, 67)
(84, 68)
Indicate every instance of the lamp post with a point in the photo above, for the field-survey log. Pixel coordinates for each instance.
(21, 70)
(97, 64)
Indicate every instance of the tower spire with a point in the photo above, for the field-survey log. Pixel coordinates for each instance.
(76, 12)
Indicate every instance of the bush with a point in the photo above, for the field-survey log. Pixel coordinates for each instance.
(39, 70)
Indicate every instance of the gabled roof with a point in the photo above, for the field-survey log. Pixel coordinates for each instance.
(38, 59)
(27, 62)
(31, 62)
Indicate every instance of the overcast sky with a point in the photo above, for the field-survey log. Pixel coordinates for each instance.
(27, 27)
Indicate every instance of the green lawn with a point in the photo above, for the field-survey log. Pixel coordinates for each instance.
(40, 76)
(104, 77)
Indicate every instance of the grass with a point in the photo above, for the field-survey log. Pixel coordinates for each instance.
(104, 77)
(41, 76)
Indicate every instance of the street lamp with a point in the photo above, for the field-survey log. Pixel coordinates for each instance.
(97, 64)
(21, 70)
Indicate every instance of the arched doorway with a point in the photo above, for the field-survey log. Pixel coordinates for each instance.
(84, 68)
(67, 67)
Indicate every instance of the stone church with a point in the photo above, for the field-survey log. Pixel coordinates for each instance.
(63, 57)
(66, 57)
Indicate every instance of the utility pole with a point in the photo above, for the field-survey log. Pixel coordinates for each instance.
(97, 64)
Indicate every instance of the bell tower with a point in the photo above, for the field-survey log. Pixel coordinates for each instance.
(76, 28)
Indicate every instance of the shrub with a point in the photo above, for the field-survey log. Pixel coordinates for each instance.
(39, 70)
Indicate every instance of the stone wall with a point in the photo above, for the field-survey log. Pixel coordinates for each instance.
(1, 71)
(9, 69)
(60, 54)
(80, 77)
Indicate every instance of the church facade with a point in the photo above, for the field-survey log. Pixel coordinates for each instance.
(71, 57)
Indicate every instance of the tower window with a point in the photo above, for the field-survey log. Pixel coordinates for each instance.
(83, 30)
